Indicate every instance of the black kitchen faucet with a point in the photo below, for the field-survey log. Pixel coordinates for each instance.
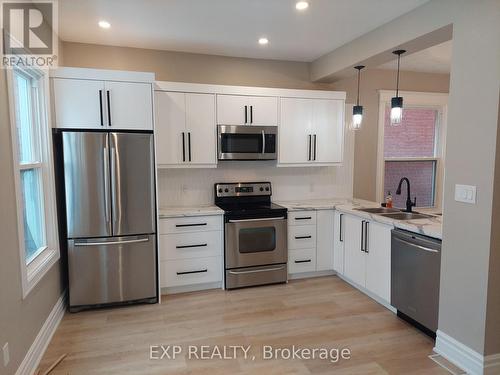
(409, 203)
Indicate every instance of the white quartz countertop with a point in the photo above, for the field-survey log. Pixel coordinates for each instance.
(431, 227)
(313, 204)
(166, 212)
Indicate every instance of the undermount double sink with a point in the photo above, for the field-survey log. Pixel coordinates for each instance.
(394, 213)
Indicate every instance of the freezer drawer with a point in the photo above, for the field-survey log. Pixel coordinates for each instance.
(111, 270)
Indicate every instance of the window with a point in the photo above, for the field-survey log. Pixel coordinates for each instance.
(413, 150)
(31, 145)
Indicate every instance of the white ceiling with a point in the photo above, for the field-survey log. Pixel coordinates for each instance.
(436, 59)
(228, 27)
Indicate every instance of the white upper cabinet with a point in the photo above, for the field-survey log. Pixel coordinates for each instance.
(247, 110)
(328, 122)
(78, 103)
(185, 129)
(102, 99)
(130, 105)
(295, 131)
(311, 131)
(170, 124)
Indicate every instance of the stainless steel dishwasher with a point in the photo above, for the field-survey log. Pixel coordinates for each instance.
(415, 272)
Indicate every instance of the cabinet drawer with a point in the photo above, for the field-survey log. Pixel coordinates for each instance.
(302, 218)
(303, 260)
(190, 271)
(302, 237)
(190, 224)
(190, 245)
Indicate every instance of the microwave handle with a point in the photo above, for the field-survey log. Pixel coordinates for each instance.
(263, 142)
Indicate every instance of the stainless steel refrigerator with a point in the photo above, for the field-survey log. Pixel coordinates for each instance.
(109, 186)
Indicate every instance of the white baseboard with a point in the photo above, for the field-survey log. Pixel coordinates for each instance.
(464, 357)
(35, 353)
(191, 288)
(306, 275)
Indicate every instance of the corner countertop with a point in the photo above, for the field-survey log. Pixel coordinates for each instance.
(167, 212)
(431, 227)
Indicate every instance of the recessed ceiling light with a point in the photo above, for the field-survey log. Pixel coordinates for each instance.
(263, 41)
(104, 24)
(301, 5)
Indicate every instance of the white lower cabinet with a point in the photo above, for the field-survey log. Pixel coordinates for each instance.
(338, 243)
(367, 255)
(191, 251)
(310, 241)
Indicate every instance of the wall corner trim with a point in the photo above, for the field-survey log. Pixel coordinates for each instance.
(42, 340)
(464, 357)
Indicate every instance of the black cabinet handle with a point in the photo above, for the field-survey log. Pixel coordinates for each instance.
(100, 108)
(251, 114)
(183, 147)
(362, 235)
(314, 158)
(188, 246)
(189, 145)
(303, 261)
(310, 147)
(302, 237)
(341, 238)
(303, 218)
(190, 272)
(109, 107)
(366, 237)
(189, 225)
(246, 115)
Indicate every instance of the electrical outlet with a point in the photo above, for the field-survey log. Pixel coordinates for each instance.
(6, 355)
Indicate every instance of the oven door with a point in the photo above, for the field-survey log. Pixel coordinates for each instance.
(247, 142)
(256, 242)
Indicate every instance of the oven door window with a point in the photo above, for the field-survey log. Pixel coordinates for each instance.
(241, 143)
(257, 240)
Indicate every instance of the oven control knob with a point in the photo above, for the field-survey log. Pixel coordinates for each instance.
(267, 189)
(220, 190)
(261, 189)
(226, 190)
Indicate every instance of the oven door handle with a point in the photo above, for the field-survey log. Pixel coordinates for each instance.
(262, 219)
(255, 271)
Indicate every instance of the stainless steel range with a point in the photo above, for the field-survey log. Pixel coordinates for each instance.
(255, 234)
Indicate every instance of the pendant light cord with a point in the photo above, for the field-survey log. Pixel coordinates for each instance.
(359, 71)
(397, 79)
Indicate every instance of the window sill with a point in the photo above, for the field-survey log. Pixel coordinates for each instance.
(37, 268)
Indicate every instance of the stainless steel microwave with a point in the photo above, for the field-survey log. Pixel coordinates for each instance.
(247, 142)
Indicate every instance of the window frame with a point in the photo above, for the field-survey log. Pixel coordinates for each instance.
(33, 269)
(414, 99)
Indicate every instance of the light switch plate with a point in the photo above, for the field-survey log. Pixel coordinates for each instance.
(465, 194)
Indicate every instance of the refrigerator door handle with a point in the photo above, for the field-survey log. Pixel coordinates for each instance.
(105, 243)
(116, 212)
(105, 158)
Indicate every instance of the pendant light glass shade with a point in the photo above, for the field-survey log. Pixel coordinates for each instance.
(396, 110)
(397, 101)
(357, 110)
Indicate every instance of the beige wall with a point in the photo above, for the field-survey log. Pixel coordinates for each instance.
(191, 67)
(20, 319)
(366, 139)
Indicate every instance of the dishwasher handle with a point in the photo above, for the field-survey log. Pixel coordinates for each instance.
(416, 245)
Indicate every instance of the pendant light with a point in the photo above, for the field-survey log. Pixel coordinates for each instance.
(357, 110)
(397, 101)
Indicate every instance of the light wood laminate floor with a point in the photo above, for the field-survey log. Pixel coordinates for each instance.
(314, 313)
